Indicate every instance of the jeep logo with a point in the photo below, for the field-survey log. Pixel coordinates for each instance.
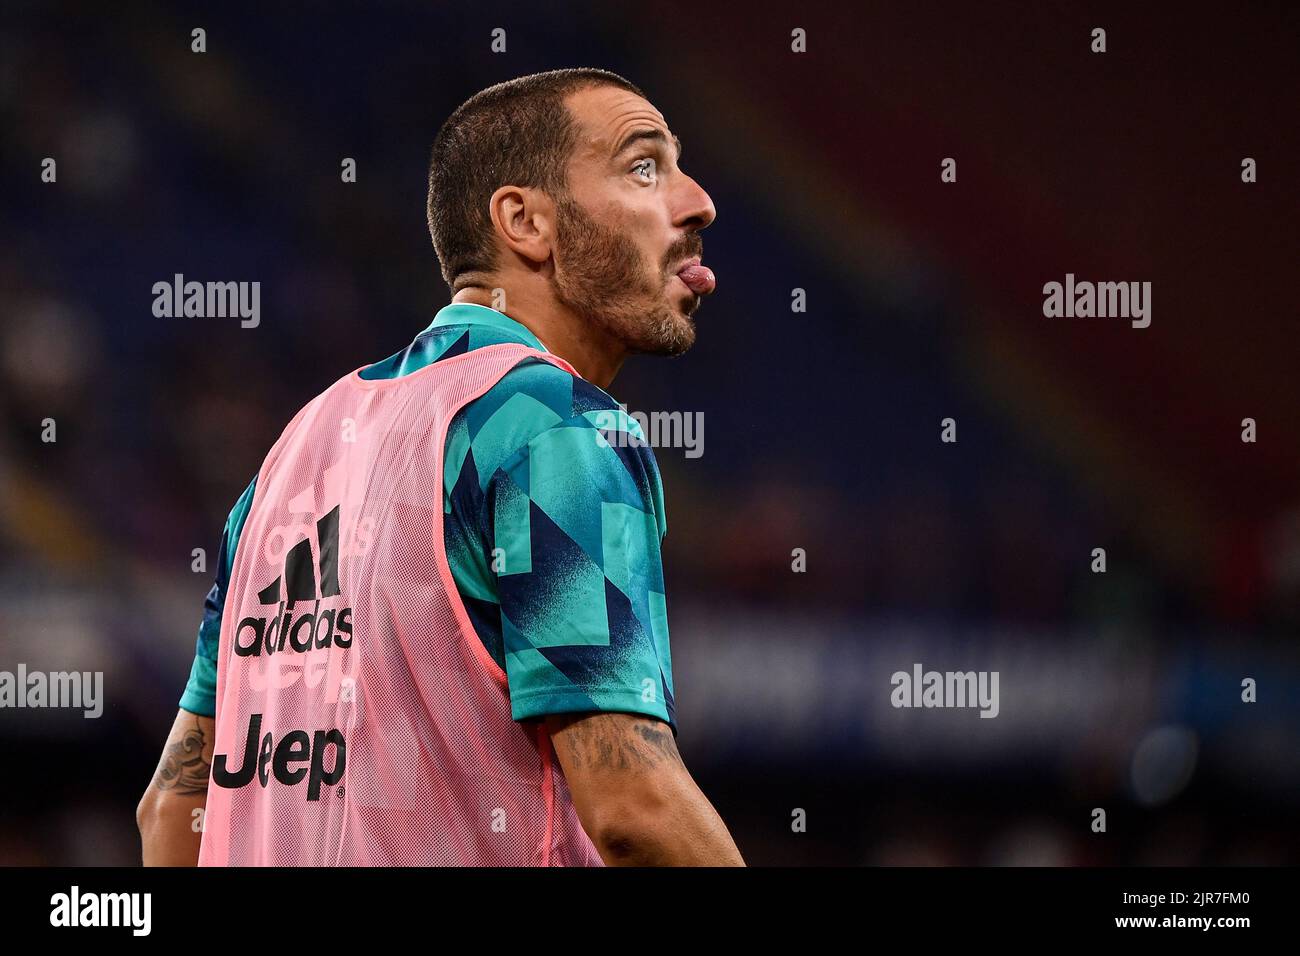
(295, 747)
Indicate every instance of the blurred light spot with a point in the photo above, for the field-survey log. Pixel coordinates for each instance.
(1163, 764)
(103, 148)
(1029, 844)
(48, 347)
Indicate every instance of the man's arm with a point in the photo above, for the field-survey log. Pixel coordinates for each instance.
(170, 830)
(634, 796)
(170, 827)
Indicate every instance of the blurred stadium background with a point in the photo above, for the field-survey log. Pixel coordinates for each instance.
(821, 429)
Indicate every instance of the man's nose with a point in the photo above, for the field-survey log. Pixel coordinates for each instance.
(696, 210)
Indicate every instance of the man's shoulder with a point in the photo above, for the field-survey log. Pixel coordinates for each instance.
(533, 398)
(548, 385)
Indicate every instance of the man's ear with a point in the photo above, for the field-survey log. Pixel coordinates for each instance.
(524, 221)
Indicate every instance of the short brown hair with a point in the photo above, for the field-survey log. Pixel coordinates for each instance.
(516, 133)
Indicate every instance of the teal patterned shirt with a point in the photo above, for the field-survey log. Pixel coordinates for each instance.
(553, 526)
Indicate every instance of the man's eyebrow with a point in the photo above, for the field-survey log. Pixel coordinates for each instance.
(639, 135)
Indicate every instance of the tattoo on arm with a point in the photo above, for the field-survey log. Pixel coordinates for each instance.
(184, 770)
(659, 737)
(602, 741)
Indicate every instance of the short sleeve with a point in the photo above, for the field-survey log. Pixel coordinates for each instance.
(576, 524)
(200, 696)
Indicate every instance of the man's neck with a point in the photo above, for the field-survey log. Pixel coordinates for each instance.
(595, 354)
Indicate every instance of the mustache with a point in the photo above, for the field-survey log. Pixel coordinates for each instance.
(690, 246)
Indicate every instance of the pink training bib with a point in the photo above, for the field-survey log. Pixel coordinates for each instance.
(360, 721)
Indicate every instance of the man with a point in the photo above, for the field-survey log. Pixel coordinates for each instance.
(394, 677)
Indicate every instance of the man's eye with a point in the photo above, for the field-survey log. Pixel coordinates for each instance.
(645, 168)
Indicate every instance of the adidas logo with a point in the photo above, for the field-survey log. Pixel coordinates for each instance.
(303, 580)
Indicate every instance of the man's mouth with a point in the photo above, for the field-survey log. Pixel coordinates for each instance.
(699, 279)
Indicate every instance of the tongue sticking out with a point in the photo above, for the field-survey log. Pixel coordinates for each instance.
(699, 279)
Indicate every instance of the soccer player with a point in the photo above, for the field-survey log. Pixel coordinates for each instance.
(438, 631)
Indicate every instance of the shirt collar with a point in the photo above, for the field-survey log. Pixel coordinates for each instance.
(468, 313)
